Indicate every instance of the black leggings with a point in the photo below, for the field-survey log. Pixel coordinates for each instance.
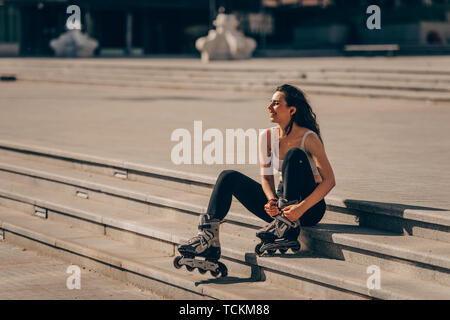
(297, 184)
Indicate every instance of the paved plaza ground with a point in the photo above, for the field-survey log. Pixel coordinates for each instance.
(25, 275)
(382, 150)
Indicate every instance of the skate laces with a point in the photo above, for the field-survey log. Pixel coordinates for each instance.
(204, 235)
(207, 230)
(201, 238)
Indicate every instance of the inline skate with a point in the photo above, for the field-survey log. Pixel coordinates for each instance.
(281, 234)
(205, 244)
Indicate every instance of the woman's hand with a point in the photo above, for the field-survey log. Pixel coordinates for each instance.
(294, 211)
(271, 207)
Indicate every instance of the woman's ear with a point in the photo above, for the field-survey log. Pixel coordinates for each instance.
(293, 111)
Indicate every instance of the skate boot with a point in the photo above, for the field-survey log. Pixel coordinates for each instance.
(206, 245)
(281, 234)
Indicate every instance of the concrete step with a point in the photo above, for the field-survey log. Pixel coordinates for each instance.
(353, 65)
(424, 259)
(336, 275)
(155, 71)
(272, 79)
(222, 81)
(147, 66)
(145, 268)
(144, 197)
(383, 76)
(439, 69)
(309, 88)
(369, 88)
(174, 179)
(352, 80)
(429, 224)
(67, 175)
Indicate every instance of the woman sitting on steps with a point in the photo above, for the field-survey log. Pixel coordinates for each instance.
(306, 177)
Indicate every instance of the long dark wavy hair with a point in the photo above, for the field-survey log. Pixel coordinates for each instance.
(304, 116)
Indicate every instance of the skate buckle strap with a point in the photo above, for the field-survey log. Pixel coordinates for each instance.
(207, 225)
(204, 226)
(293, 224)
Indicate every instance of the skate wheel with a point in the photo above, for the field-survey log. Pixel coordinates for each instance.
(223, 270)
(296, 249)
(189, 268)
(283, 251)
(176, 262)
(215, 273)
(202, 271)
(258, 249)
(271, 251)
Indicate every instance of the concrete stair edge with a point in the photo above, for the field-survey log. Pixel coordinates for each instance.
(314, 232)
(286, 75)
(428, 216)
(130, 264)
(161, 275)
(294, 78)
(229, 252)
(352, 241)
(146, 197)
(342, 239)
(375, 90)
(163, 65)
(393, 93)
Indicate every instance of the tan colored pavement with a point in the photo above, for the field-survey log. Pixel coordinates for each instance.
(26, 275)
(381, 150)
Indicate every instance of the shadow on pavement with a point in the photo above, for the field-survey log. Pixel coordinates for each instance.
(226, 280)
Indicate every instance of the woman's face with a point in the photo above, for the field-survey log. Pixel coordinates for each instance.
(279, 111)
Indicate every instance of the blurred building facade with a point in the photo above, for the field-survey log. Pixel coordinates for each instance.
(147, 27)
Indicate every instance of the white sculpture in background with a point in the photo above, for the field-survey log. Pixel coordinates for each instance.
(226, 42)
(73, 43)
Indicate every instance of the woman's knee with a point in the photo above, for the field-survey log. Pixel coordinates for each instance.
(228, 176)
(313, 215)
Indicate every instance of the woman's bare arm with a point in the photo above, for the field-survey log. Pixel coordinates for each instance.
(315, 147)
(267, 179)
(268, 185)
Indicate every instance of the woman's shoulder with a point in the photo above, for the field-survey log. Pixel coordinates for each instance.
(267, 131)
(309, 132)
(312, 142)
(305, 132)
